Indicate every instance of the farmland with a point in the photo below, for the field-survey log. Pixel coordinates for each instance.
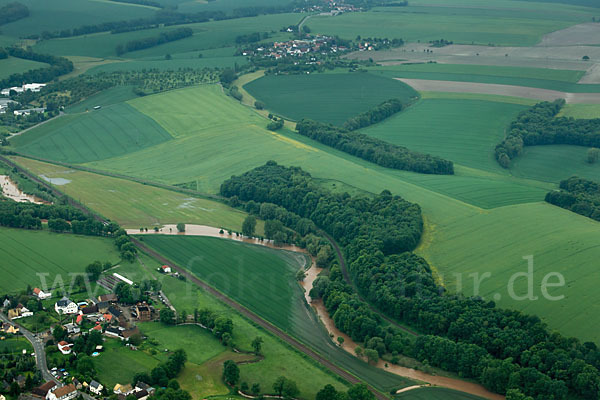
(332, 98)
(435, 393)
(26, 253)
(135, 205)
(12, 65)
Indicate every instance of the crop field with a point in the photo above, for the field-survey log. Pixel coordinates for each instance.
(332, 98)
(435, 393)
(580, 111)
(561, 80)
(279, 359)
(134, 205)
(99, 134)
(208, 35)
(555, 163)
(105, 98)
(447, 128)
(13, 65)
(174, 64)
(263, 280)
(504, 23)
(25, 254)
(61, 14)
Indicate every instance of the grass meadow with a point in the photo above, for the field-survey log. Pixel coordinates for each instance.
(332, 98)
(15, 345)
(134, 205)
(13, 65)
(26, 253)
(581, 111)
(504, 23)
(99, 134)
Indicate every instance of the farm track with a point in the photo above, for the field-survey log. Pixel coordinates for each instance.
(260, 321)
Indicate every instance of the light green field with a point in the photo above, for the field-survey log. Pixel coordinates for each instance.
(105, 98)
(479, 96)
(332, 98)
(207, 35)
(15, 345)
(175, 64)
(561, 80)
(446, 127)
(555, 163)
(279, 359)
(98, 134)
(62, 14)
(135, 205)
(25, 254)
(580, 111)
(12, 65)
(503, 23)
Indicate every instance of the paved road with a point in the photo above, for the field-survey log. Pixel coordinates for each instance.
(38, 348)
(260, 321)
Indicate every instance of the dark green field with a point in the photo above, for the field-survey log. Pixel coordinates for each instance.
(436, 393)
(332, 98)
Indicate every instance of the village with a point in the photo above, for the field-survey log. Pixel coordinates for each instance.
(64, 329)
(15, 90)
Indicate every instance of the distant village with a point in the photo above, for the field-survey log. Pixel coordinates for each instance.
(103, 317)
(5, 102)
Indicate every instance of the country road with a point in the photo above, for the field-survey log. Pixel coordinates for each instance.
(38, 348)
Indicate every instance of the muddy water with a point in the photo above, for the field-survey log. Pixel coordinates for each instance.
(349, 345)
(12, 191)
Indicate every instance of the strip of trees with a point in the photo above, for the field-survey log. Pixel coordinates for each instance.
(374, 115)
(505, 350)
(540, 126)
(162, 38)
(58, 66)
(579, 195)
(374, 150)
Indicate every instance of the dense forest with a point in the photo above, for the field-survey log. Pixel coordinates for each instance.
(58, 66)
(540, 126)
(502, 349)
(374, 150)
(579, 195)
(374, 115)
(13, 12)
(164, 37)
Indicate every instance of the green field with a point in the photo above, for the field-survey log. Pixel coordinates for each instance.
(446, 127)
(581, 111)
(332, 98)
(12, 65)
(99, 134)
(561, 80)
(134, 205)
(279, 359)
(26, 254)
(15, 345)
(505, 23)
(435, 393)
(104, 98)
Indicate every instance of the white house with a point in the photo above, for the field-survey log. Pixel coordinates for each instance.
(66, 306)
(64, 347)
(166, 269)
(96, 387)
(63, 393)
(34, 87)
(40, 294)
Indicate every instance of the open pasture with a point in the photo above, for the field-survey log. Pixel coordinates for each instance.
(98, 134)
(503, 23)
(332, 98)
(26, 254)
(13, 65)
(134, 205)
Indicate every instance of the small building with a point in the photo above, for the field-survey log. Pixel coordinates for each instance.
(96, 388)
(93, 309)
(64, 347)
(40, 294)
(115, 311)
(34, 87)
(6, 303)
(63, 393)
(72, 329)
(114, 332)
(143, 312)
(96, 328)
(9, 328)
(165, 269)
(29, 111)
(126, 334)
(109, 298)
(42, 391)
(66, 306)
(121, 389)
(19, 312)
(144, 386)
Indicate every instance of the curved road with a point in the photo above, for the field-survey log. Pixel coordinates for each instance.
(38, 348)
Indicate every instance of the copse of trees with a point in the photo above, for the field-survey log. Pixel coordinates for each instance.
(373, 149)
(502, 349)
(374, 115)
(164, 37)
(251, 37)
(540, 126)
(13, 12)
(579, 195)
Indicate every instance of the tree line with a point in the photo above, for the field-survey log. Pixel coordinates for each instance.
(539, 126)
(374, 115)
(374, 150)
(58, 66)
(13, 12)
(579, 195)
(504, 350)
(162, 38)
(141, 2)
